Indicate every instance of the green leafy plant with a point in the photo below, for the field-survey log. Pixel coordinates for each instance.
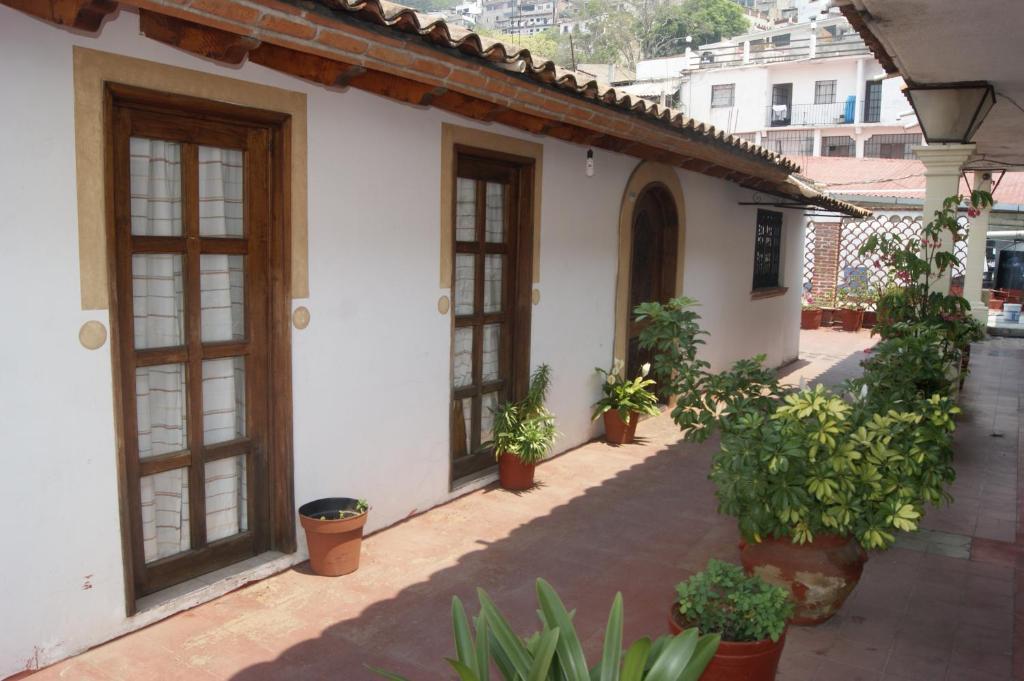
(724, 600)
(526, 429)
(624, 395)
(819, 464)
(917, 263)
(704, 400)
(910, 366)
(809, 302)
(361, 507)
(555, 651)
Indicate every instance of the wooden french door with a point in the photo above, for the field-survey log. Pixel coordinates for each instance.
(192, 209)
(653, 263)
(490, 300)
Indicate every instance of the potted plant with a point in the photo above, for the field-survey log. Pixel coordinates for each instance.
(828, 304)
(870, 302)
(555, 652)
(748, 613)
(813, 478)
(623, 402)
(850, 312)
(810, 313)
(523, 433)
(819, 479)
(334, 533)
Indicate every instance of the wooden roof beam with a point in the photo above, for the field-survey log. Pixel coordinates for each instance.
(85, 15)
(205, 41)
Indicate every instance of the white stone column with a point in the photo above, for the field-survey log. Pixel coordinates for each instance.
(861, 85)
(746, 51)
(977, 235)
(942, 164)
(816, 149)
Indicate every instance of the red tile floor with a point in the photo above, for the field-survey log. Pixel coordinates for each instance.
(636, 519)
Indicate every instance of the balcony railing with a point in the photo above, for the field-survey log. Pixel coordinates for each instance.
(766, 52)
(837, 113)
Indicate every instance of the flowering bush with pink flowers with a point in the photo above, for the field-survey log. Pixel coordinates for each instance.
(916, 263)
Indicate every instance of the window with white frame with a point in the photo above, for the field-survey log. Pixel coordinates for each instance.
(723, 96)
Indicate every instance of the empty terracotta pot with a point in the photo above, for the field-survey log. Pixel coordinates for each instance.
(810, 319)
(827, 315)
(617, 431)
(819, 575)
(513, 473)
(753, 661)
(870, 319)
(334, 544)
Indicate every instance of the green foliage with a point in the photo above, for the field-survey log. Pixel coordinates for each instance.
(526, 429)
(704, 400)
(624, 395)
(820, 464)
(912, 365)
(724, 600)
(555, 652)
(916, 264)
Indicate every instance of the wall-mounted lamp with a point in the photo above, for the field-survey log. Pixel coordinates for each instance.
(951, 112)
(590, 162)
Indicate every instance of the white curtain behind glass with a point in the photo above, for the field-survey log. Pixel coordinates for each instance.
(158, 295)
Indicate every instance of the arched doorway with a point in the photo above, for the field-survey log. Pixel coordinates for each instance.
(653, 253)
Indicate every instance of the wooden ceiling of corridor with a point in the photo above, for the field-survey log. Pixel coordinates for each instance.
(396, 52)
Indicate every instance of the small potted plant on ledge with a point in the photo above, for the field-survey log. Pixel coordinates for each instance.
(810, 313)
(624, 401)
(748, 613)
(334, 533)
(523, 433)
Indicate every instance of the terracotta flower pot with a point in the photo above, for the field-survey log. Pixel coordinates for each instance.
(334, 544)
(870, 319)
(850, 319)
(810, 319)
(513, 473)
(819, 575)
(827, 316)
(617, 431)
(753, 661)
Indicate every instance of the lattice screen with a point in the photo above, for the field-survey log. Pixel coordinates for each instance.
(960, 251)
(809, 257)
(853, 267)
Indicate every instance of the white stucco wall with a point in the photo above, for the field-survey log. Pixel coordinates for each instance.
(374, 239)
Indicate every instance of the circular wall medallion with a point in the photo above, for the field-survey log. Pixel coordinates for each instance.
(300, 318)
(536, 296)
(92, 335)
(443, 305)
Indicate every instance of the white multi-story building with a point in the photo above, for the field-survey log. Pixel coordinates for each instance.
(528, 18)
(804, 89)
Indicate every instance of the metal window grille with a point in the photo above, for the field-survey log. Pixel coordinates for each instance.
(873, 102)
(723, 95)
(767, 249)
(825, 92)
(840, 145)
(891, 146)
(959, 270)
(790, 142)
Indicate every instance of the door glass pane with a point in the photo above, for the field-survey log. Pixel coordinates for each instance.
(491, 352)
(465, 266)
(155, 187)
(221, 182)
(465, 210)
(227, 511)
(488, 403)
(493, 266)
(495, 223)
(165, 521)
(222, 291)
(462, 427)
(161, 407)
(462, 357)
(223, 399)
(158, 300)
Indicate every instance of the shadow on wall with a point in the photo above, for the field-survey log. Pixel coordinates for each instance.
(640, 532)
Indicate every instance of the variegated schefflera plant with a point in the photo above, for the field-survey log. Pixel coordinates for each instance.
(555, 653)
